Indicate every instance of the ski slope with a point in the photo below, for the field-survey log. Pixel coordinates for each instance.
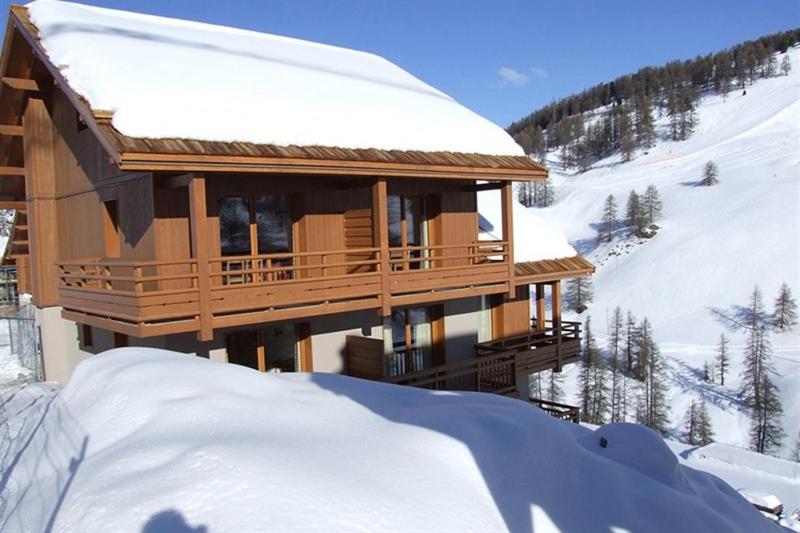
(714, 245)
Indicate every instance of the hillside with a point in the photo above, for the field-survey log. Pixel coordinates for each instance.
(714, 245)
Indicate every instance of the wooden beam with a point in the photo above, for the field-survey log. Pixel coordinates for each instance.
(328, 167)
(177, 182)
(18, 205)
(22, 84)
(40, 186)
(540, 307)
(556, 288)
(489, 186)
(198, 217)
(380, 223)
(507, 207)
(11, 130)
(12, 171)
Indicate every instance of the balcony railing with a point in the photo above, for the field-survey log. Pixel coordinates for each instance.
(561, 411)
(146, 298)
(500, 362)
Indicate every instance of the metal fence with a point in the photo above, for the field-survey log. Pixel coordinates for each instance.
(19, 344)
(9, 293)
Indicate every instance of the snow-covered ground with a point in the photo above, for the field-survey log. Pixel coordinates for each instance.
(227, 448)
(714, 245)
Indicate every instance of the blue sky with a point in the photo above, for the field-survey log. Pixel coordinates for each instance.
(503, 59)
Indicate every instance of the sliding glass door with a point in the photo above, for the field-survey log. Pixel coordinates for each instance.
(267, 349)
(256, 225)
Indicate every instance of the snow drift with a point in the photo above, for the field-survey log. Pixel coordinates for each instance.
(144, 438)
(169, 78)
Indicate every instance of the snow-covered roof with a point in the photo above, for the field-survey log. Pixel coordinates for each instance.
(225, 448)
(170, 78)
(535, 238)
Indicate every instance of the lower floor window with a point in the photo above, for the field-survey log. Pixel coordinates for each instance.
(409, 333)
(268, 349)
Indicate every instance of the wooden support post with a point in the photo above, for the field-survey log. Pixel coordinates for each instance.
(507, 206)
(199, 227)
(40, 187)
(540, 308)
(556, 288)
(380, 223)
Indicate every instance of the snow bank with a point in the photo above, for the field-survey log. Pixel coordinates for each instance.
(153, 440)
(169, 78)
(535, 238)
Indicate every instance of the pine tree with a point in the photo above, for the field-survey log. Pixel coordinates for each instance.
(554, 391)
(593, 387)
(606, 231)
(651, 205)
(633, 211)
(795, 455)
(755, 317)
(784, 315)
(653, 408)
(710, 174)
(631, 339)
(615, 328)
(588, 355)
(690, 433)
(543, 194)
(579, 294)
(627, 141)
(645, 127)
(786, 65)
(705, 433)
(723, 357)
(535, 385)
(766, 428)
(706, 372)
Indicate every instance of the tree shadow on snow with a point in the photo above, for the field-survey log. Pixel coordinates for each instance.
(690, 379)
(733, 318)
(40, 465)
(170, 521)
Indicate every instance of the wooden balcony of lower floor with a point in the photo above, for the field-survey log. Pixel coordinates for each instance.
(499, 363)
(150, 298)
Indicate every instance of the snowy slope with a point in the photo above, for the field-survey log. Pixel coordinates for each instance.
(714, 243)
(227, 448)
(170, 78)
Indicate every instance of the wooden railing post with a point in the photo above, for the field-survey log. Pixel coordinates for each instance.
(380, 223)
(199, 227)
(556, 288)
(507, 199)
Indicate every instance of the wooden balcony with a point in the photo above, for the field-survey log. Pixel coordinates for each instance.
(499, 363)
(147, 298)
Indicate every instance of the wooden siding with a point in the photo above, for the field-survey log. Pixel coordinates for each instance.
(511, 316)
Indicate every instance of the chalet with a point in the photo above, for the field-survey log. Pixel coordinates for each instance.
(266, 201)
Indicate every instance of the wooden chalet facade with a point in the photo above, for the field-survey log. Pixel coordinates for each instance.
(365, 262)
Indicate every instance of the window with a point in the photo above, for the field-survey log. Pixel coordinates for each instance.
(407, 221)
(269, 349)
(256, 225)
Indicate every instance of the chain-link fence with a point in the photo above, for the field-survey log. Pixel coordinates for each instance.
(20, 359)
